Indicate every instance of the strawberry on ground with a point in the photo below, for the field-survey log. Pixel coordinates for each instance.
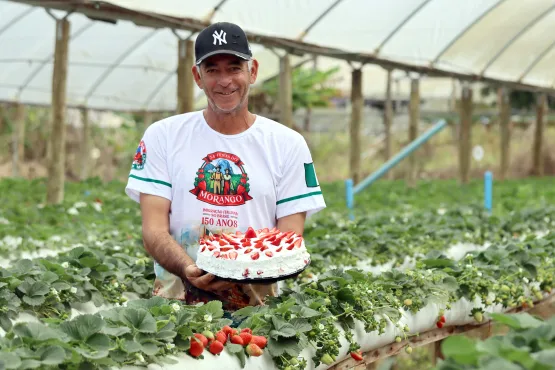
(216, 347)
(254, 350)
(439, 324)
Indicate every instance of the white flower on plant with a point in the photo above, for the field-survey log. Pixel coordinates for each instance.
(479, 273)
(65, 265)
(73, 211)
(97, 206)
(520, 270)
(53, 291)
(525, 279)
(327, 236)
(140, 357)
(175, 307)
(170, 345)
(80, 205)
(4, 221)
(441, 211)
(117, 247)
(115, 284)
(321, 326)
(73, 290)
(56, 238)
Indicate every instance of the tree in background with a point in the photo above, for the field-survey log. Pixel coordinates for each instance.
(311, 88)
(519, 99)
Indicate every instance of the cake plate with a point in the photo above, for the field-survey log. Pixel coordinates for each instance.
(255, 280)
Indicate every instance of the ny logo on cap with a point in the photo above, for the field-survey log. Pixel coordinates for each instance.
(220, 37)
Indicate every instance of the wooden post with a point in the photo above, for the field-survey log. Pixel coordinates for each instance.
(147, 120)
(18, 140)
(537, 149)
(85, 145)
(356, 118)
(185, 81)
(285, 91)
(465, 133)
(388, 120)
(414, 117)
(56, 166)
(504, 130)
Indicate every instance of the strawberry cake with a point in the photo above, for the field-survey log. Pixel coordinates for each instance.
(255, 255)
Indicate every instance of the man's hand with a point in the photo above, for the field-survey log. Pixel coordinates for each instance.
(205, 281)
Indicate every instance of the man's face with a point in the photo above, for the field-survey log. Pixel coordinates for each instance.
(225, 80)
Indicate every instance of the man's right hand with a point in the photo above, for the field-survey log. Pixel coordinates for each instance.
(205, 282)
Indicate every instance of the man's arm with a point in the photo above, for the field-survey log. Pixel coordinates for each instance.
(157, 239)
(294, 222)
(166, 251)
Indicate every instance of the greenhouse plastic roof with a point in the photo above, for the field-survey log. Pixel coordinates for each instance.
(130, 64)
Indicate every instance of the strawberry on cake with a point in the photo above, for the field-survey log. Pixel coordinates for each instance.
(256, 254)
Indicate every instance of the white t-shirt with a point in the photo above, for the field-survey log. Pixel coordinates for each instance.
(222, 183)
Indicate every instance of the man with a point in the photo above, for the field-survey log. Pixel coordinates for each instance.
(276, 181)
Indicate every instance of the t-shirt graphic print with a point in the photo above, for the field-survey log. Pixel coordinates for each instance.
(222, 184)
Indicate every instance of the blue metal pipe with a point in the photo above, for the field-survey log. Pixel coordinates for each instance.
(350, 197)
(488, 190)
(401, 155)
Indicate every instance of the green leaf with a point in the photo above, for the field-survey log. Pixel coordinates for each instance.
(517, 321)
(60, 286)
(116, 331)
(234, 348)
(10, 360)
(346, 295)
(83, 326)
(99, 342)
(51, 355)
(150, 348)
(497, 363)
(36, 331)
(5, 322)
(284, 345)
(89, 262)
(29, 364)
(546, 357)
(131, 346)
(460, 348)
(300, 325)
(213, 308)
(165, 334)
(140, 319)
(33, 301)
(305, 312)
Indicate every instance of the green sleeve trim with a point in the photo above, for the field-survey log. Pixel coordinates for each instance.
(299, 197)
(152, 180)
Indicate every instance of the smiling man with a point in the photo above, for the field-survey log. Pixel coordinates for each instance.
(270, 180)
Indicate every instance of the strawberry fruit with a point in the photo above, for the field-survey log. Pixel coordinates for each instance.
(196, 347)
(202, 338)
(246, 336)
(254, 350)
(250, 234)
(259, 340)
(356, 355)
(237, 339)
(216, 347)
(221, 337)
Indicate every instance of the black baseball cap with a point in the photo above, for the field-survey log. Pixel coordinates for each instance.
(222, 38)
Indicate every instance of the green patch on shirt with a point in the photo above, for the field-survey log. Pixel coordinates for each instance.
(310, 175)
